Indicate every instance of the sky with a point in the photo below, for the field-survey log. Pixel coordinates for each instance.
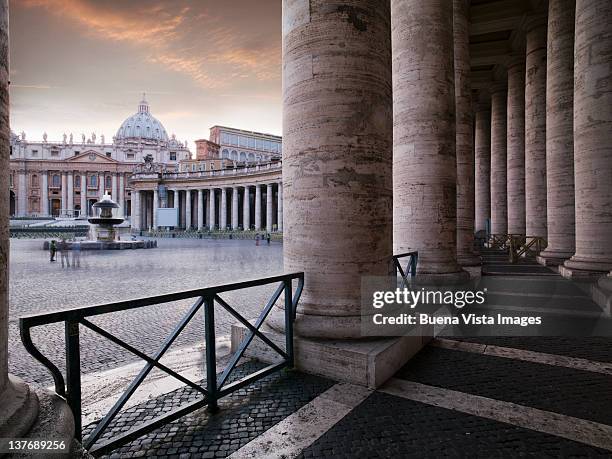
(81, 66)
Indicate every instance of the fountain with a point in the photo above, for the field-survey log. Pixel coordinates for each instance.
(103, 233)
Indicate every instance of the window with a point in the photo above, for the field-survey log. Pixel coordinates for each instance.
(251, 157)
(243, 141)
(93, 181)
(212, 166)
(234, 139)
(243, 156)
(225, 154)
(267, 145)
(108, 182)
(109, 154)
(173, 156)
(251, 142)
(193, 167)
(54, 153)
(77, 181)
(130, 156)
(34, 153)
(11, 150)
(35, 180)
(234, 155)
(11, 180)
(225, 138)
(56, 180)
(259, 144)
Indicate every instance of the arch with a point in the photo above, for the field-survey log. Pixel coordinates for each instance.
(243, 156)
(234, 155)
(225, 153)
(251, 156)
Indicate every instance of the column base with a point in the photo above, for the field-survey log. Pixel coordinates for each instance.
(18, 408)
(577, 269)
(553, 258)
(469, 259)
(367, 362)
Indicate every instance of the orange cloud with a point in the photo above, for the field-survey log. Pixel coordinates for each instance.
(169, 37)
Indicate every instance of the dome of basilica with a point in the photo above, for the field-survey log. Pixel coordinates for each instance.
(142, 125)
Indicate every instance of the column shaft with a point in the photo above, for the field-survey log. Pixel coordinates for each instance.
(44, 193)
(535, 129)
(235, 208)
(464, 136)
(64, 205)
(135, 217)
(223, 217)
(246, 209)
(155, 207)
(187, 209)
(121, 195)
(70, 193)
(84, 206)
(559, 133)
(22, 194)
(200, 210)
(482, 141)
(211, 209)
(257, 207)
(279, 208)
(592, 134)
(114, 187)
(269, 200)
(499, 201)
(516, 145)
(337, 134)
(101, 184)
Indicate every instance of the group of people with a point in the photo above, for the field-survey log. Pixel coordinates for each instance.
(259, 237)
(63, 248)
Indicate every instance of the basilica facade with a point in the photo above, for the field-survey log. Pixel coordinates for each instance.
(65, 177)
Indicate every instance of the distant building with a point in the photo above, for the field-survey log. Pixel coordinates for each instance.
(65, 177)
(245, 146)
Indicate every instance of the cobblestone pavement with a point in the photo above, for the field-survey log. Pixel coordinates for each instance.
(243, 416)
(36, 286)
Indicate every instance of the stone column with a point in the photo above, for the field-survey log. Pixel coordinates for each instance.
(22, 194)
(155, 207)
(560, 211)
(337, 134)
(464, 136)
(187, 209)
(235, 208)
(482, 142)
(84, 206)
(101, 184)
(279, 208)
(246, 209)
(592, 145)
(135, 217)
(516, 145)
(269, 200)
(70, 193)
(64, 205)
(499, 196)
(44, 193)
(257, 207)
(535, 128)
(200, 210)
(18, 405)
(114, 187)
(211, 209)
(424, 161)
(223, 214)
(121, 196)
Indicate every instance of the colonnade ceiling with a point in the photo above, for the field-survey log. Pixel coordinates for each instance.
(496, 32)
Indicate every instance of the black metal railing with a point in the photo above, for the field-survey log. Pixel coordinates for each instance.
(216, 387)
(411, 266)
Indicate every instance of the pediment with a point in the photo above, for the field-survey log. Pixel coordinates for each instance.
(90, 156)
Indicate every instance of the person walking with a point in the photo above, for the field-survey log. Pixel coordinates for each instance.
(76, 254)
(63, 248)
(52, 250)
(268, 238)
(257, 239)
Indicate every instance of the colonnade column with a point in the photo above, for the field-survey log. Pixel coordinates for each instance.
(114, 187)
(64, 195)
(257, 207)
(187, 209)
(337, 134)
(135, 218)
(499, 192)
(279, 208)
(246, 209)
(211, 209)
(464, 136)
(155, 207)
(101, 185)
(223, 213)
(84, 206)
(592, 134)
(121, 195)
(45, 193)
(535, 128)
(70, 193)
(516, 145)
(269, 200)
(22, 194)
(200, 210)
(235, 208)
(424, 161)
(482, 143)
(560, 211)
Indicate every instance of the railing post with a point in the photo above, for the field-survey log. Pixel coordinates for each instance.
(73, 374)
(211, 353)
(289, 322)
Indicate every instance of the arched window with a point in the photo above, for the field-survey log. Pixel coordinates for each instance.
(243, 156)
(56, 180)
(35, 180)
(234, 154)
(251, 157)
(225, 153)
